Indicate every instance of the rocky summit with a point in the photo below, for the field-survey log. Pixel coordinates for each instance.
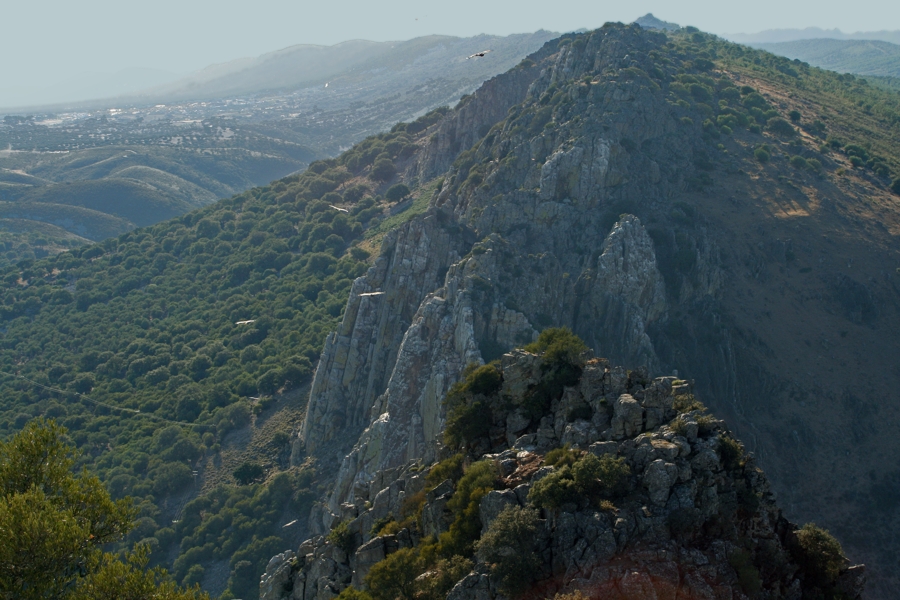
(670, 198)
(620, 487)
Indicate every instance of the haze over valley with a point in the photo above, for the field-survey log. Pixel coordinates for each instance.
(137, 164)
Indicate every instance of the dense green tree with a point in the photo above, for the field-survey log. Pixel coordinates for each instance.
(394, 577)
(819, 555)
(54, 522)
(508, 547)
(383, 169)
(397, 192)
(248, 472)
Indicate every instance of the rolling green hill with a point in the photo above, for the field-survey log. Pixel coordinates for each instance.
(135, 201)
(83, 222)
(862, 57)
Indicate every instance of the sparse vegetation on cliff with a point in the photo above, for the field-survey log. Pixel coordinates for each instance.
(506, 526)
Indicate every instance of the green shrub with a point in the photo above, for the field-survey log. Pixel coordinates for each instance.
(383, 169)
(560, 457)
(798, 162)
(684, 403)
(397, 192)
(450, 468)
(508, 548)
(342, 537)
(380, 524)
(440, 578)
(779, 126)
(563, 358)
(819, 555)
(706, 424)
(895, 186)
(467, 423)
(679, 426)
(589, 478)
(555, 489)
(856, 161)
(394, 577)
(485, 380)
(557, 345)
(761, 155)
(613, 474)
(731, 451)
(479, 479)
(794, 116)
(248, 472)
(710, 128)
(351, 593)
(468, 416)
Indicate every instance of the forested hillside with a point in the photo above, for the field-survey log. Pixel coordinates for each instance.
(153, 346)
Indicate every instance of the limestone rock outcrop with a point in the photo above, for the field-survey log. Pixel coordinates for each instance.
(696, 519)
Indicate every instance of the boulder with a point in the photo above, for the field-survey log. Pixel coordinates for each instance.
(278, 573)
(628, 417)
(598, 449)
(659, 477)
(493, 503)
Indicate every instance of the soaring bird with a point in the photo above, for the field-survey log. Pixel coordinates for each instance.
(478, 54)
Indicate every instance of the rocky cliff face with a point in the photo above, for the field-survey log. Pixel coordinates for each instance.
(578, 193)
(518, 238)
(455, 325)
(694, 518)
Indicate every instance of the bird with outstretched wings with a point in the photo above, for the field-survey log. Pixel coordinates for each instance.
(478, 54)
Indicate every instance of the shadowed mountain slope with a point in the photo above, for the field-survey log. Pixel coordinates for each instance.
(760, 260)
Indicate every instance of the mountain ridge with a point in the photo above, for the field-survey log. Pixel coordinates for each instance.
(541, 165)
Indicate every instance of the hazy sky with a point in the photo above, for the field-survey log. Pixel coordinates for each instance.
(48, 40)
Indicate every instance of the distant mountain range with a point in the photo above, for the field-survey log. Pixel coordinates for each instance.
(863, 57)
(351, 63)
(774, 36)
(88, 86)
(301, 66)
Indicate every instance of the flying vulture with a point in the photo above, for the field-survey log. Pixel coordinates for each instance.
(478, 54)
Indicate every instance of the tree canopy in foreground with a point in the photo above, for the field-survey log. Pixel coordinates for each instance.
(54, 523)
